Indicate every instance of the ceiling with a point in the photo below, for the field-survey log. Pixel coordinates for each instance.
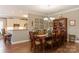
(19, 10)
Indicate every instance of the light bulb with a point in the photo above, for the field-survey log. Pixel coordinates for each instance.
(25, 16)
(51, 18)
(45, 18)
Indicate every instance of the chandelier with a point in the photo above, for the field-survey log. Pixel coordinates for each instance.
(49, 19)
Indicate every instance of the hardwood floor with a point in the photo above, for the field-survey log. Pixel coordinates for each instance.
(68, 48)
(25, 48)
(16, 48)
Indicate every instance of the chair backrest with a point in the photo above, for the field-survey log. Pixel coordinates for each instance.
(31, 35)
(10, 35)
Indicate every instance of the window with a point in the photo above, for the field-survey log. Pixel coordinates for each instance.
(1, 26)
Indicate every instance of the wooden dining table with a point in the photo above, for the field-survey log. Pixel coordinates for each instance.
(42, 39)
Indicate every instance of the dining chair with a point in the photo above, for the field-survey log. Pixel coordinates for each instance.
(35, 42)
(7, 38)
(49, 42)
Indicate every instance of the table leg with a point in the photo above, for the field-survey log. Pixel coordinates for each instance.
(43, 46)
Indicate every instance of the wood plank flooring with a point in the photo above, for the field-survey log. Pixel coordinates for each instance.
(25, 48)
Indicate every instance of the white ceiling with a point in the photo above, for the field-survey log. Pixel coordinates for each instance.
(19, 10)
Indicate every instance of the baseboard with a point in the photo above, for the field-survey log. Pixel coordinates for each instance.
(17, 42)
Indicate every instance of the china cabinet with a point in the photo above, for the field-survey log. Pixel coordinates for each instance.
(60, 30)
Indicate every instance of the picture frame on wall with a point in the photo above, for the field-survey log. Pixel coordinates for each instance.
(72, 22)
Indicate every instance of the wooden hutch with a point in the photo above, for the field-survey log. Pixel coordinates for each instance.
(60, 30)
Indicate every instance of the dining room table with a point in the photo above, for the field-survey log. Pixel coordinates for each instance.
(42, 39)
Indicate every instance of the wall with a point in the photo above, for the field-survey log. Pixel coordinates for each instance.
(19, 36)
(70, 15)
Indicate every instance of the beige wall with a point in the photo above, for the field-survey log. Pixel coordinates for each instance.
(70, 15)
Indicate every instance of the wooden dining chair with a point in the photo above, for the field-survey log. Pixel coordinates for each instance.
(49, 42)
(35, 42)
(7, 38)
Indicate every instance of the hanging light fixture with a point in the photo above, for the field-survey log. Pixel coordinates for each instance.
(49, 18)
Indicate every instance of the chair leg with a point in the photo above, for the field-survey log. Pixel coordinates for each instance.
(32, 48)
(51, 45)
